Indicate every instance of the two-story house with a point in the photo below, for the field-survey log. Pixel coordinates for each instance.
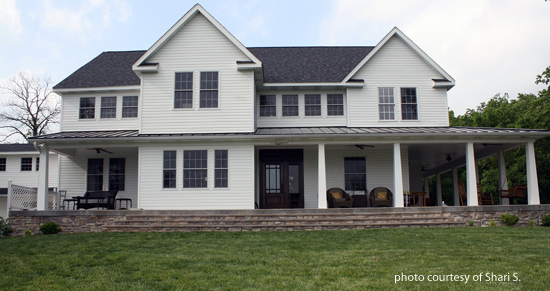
(199, 121)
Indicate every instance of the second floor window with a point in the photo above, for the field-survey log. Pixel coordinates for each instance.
(290, 105)
(409, 109)
(195, 169)
(2, 164)
(108, 107)
(183, 95)
(26, 164)
(268, 105)
(87, 108)
(313, 105)
(386, 103)
(335, 104)
(129, 106)
(209, 90)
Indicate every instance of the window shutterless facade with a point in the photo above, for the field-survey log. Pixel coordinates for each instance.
(409, 107)
(195, 169)
(290, 105)
(87, 108)
(335, 104)
(221, 169)
(129, 106)
(117, 170)
(312, 105)
(95, 175)
(26, 164)
(209, 90)
(386, 101)
(108, 107)
(355, 170)
(268, 105)
(183, 95)
(169, 169)
(2, 164)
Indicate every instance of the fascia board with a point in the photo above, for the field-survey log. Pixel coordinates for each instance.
(97, 89)
(329, 84)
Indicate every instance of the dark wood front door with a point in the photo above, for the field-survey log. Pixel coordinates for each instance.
(281, 179)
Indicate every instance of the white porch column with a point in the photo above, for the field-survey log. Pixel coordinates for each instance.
(455, 187)
(427, 187)
(322, 178)
(502, 179)
(397, 176)
(471, 178)
(438, 189)
(533, 197)
(42, 194)
(8, 200)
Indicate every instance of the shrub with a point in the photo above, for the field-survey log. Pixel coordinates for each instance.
(532, 223)
(492, 223)
(471, 223)
(546, 220)
(28, 232)
(50, 228)
(509, 219)
(5, 229)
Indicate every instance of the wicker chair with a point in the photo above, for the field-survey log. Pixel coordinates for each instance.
(338, 198)
(381, 196)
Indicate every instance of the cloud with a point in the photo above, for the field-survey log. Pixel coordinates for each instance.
(10, 17)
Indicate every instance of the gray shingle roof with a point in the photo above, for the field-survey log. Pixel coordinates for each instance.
(17, 147)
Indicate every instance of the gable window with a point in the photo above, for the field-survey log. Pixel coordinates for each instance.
(313, 105)
(117, 169)
(183, 96)
(26, 164)
(195, 165)
(268, 105)
(129, 106)
(290, 105)
(409, 109)
(335, 104)
(87, 108)
(209, 90)
(355, 174)
(37, 164)
(108, 107)
(221, 169)
(169, 169)
(95, 175)
(2, 164)
(386, 105)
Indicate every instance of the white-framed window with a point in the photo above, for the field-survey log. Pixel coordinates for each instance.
(117, 174)
(87, 108)
(312, 105)
(37, 166)
(195, 169)
(108, 107)
(409, 107)
(335, 104)
(209, 90)
(26, 164)
(169, 169)
(221, 169)
(268, 105)
(386, 104)
(2, 164)
(355, 169)
(183, 95)
(290, 105)
(129, 106)
(95, 175)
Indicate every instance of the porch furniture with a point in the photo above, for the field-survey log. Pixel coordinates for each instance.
(484, 198)
(418, 198)
(462, 193)
(62, 197)
(381, 196)
(359, 200)
(338, 198)
(518, 191)
(125, 200)
(96, 199)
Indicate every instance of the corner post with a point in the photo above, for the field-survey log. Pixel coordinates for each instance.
(42, 194)
(322, 178)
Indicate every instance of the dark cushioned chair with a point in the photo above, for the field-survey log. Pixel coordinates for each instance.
(381, 196)
(338, 198)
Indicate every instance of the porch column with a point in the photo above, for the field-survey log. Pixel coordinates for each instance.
(502, 179)
(397, 176)
(532, 180)
(427, 187)
(438, 189)
(42, 194)
(322, 178)
(456, 196)
(471, 180)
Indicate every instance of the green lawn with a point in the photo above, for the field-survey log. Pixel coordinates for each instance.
(316, 260)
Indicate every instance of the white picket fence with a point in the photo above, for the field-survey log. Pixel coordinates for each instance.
(25, 198)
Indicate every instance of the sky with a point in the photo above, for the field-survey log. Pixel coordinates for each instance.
(487, 46)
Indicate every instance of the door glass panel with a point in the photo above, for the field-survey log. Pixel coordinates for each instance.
(273, 178)
(294, 179)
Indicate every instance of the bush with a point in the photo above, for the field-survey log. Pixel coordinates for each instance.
(5, 229)
(471, 223)
(50, 228)
(545, 220)
(28, 232)
(509, 219)
(532, 223)
(492, 223)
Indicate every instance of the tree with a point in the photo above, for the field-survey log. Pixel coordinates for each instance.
(32, 107)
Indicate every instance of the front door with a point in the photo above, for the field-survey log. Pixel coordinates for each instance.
(281, 179)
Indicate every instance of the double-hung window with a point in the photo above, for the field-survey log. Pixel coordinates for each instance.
(129, 106)
(26, 164)
(195, 169)
(169, 169)
(312, 105)
(209, 90)
(335, 104)
(108, 107)
(117, 169)
(95, 175)
(409, 108)
(221, 170)
(290, 105)
(386, 101)
(183, 95)
(87, 108)
(2, 164)
(268, 105)
(37, 167)
(355, 170)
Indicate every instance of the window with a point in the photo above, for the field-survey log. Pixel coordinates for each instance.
(335, 104)
(221, 170)
(108, 107)
(386, 105)
(169, 169)
(355, 174)
(195, 169)
(37, 164)
(95, 175)
(129, 106)
(2, 164)
(290, 105)
(117, 173)
(183, 96)
(409, 109)
(26, 164)
(87, 108)
(268, 105)
(313, 105)
(209, 90)
(3, 191)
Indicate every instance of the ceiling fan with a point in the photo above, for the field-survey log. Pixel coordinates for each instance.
(362, 146)
(99, 150)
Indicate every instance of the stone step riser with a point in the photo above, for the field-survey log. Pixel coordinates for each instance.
(317, 217)
(276, 222)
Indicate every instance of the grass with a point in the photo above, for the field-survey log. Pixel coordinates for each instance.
(318, 260)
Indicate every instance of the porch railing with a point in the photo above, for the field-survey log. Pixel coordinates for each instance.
(25, 198)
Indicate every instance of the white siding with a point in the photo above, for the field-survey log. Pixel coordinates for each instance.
(239, 194)
(71, 107)
(198, 47)
(28, 178)
(395, 65)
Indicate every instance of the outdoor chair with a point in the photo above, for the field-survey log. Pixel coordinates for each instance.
(484, 198)
(96, 199)
(518, 191)
(381, 196)
(338, 198)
